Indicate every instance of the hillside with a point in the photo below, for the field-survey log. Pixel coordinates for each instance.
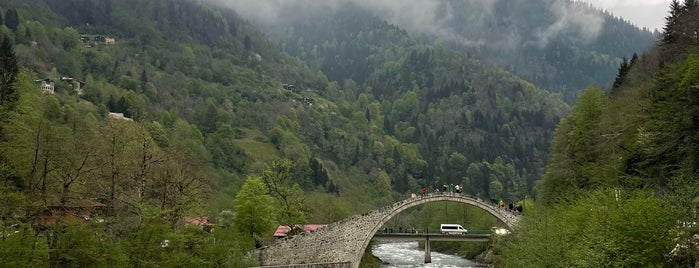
(623, 169)
(462, 112)
(564, 48)
(218, 120)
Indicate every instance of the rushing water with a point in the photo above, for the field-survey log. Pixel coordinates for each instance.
(408, 254)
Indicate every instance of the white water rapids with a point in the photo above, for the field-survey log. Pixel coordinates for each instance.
(409, 255)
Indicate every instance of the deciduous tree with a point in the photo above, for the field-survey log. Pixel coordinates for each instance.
(254, 211)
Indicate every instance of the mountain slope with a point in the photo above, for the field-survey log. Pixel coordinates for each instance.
(464, 114)
(564, 48)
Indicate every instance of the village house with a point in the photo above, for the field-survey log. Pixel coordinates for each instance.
(46, 85)
(291, 88)
(77, 84)
(200, 222)
(119, 116)
(282, 230)
(71, 210)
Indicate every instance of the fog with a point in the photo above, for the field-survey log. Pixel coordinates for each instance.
(424, 17)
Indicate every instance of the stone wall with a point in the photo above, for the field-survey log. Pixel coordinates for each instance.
(314, 265)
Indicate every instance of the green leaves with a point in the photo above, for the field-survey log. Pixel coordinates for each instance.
(20, 247)
(603, 228)
(254, 211)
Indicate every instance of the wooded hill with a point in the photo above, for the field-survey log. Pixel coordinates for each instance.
(563, 49)
(623, 171)
(214, 112)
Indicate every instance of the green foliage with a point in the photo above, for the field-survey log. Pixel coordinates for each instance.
(254, 211)
(12, 19)
(288, 195)
(8, 74)
(20, 247)
(79, 244)
(576, 151)
(602, 228)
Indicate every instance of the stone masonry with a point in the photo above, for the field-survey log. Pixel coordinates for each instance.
(346, 240)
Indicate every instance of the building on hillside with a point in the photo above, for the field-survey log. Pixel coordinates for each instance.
(201, 222)
(46, 85)
(119, 116)
(282, 230)
(72, 210)
(109, 41)
(291, 88)
(77, 84)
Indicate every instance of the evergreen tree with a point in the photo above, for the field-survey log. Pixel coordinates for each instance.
(12, 19)
(623, 70)
(247, 43)
(670, 30)
(8, 74)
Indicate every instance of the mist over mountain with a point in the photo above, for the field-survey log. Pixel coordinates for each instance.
(559, 45)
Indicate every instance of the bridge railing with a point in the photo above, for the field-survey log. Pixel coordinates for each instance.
(423, 231)
(486, 202)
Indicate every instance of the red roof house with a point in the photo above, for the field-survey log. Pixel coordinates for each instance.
(283, 229)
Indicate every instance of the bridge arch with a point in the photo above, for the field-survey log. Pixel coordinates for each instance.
(346, 240)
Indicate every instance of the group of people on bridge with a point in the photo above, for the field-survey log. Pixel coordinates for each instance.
(457, 189)
(451, 188)
(513, 207)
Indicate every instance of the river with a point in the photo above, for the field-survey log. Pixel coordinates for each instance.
(409, 255)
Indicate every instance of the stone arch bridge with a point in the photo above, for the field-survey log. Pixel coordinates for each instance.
(345, 241)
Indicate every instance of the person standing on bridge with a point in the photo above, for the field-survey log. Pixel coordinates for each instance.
(424, 191)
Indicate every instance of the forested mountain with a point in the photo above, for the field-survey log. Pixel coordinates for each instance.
(565, 47)
(219, 120)
(623, 172)
(476, 125)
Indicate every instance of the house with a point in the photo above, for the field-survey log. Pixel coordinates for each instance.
(77, 84)
(99, 39)
(282, 230)
(85, 39)
(109, 41)
(201, 222)
(306, 101)
(46, 85)
(71, 209)
(119, 116)
(291, 88)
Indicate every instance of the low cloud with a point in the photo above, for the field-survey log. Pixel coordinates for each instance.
(425, 17)
(587, 23)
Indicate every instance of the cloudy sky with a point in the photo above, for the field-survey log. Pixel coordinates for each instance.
(643, 13)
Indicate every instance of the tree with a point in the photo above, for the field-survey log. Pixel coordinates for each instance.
(624, 68)
(8, 74)
(289, 197)
(247, 43)
(21, 247)
(254, 210)
(602, 228)
(79, 244)
(12, 19)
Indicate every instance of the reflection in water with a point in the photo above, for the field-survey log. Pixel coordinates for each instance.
(408, 254)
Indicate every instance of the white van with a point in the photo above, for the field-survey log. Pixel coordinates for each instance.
(452, 229)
